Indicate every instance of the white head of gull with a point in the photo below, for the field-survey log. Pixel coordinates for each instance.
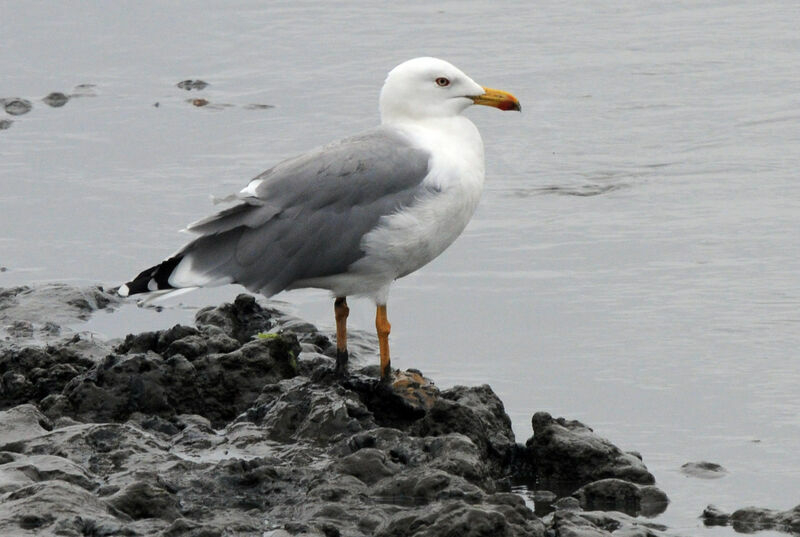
(355, 215)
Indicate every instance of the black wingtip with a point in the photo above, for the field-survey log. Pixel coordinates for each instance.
(155, 278)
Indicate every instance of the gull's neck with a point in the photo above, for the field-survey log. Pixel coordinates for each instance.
(454, 130)
(454, 143)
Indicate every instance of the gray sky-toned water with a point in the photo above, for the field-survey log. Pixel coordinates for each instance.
(633, 264)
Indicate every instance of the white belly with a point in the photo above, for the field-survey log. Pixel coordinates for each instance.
(406, 241)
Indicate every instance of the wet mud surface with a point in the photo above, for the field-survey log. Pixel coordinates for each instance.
(239, 426)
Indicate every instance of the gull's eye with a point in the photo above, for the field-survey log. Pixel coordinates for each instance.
(442, 82)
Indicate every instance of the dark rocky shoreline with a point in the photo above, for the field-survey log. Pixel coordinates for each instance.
(238, 426)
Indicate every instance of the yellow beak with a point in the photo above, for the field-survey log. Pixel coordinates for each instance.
(499, 99)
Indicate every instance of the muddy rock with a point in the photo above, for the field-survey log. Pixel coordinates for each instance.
(567, 503)
(238, 426)
(703, 470)
(400, 404)
(217, 386)
(752, 519)
(477, 413)
(297, 409)
(571, 523)
(22, 422)
(245, 319)
(37, 468)
(46, 309)
(141, 499)
(31, 374)
(619, 495)
(462, 519)
(569, 451)
(714, 516)
(58, 508)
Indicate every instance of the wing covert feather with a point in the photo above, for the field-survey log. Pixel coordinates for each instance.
(305, 217)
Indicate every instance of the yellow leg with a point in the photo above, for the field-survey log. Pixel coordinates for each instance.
(383, 327)
(341, 312)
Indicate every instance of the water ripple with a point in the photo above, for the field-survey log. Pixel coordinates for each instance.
(583, 190)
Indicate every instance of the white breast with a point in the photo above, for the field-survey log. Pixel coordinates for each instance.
(405, 241)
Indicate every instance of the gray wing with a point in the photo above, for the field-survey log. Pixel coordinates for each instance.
(307, 215)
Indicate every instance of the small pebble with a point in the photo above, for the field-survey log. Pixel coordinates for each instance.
(16, 106)
(198, 102)
(84, 90)
(190, 85)
(56, 99)
(5, 124)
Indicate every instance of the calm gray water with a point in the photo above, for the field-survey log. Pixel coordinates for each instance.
(635, 260)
